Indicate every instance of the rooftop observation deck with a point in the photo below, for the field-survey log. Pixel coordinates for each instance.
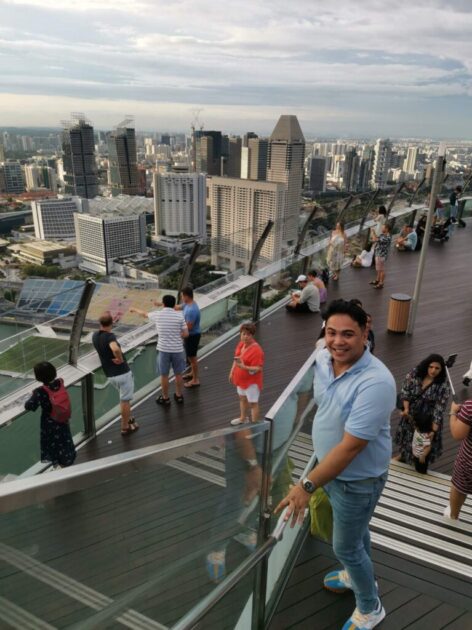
(132, 550)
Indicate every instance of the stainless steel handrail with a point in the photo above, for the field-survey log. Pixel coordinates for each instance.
(20, 493)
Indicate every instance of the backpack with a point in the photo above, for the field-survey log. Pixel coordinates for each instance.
(60, 403)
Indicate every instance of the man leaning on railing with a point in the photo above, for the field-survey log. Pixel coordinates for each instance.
(355, 395)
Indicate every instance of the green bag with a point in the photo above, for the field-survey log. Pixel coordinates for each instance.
(321, 514)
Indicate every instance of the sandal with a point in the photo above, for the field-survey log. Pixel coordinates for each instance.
(379, 286)
(178, 399)
(133, 426)
(374, 282)
(163, 401)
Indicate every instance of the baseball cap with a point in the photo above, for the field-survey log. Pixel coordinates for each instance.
(301, 278)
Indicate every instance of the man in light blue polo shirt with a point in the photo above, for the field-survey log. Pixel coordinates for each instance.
(355, 394)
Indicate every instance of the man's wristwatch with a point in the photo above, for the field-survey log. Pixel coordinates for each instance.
(251, 464)
(308, 485)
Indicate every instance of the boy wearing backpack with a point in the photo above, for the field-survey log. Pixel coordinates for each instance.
(57, 445)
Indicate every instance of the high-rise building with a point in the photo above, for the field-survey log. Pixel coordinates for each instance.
(165, 139)
(180, 204)
(240, 210)
(207, 152)
(54, 218)
(317, 174)
(32, 177)
(123, 168)
(410, 162)
(258, 155)
(381, 163)
(14, 180)
(80, 168)
(351, 171)
(2, 153)
(103, 239)
(232, 161)
(285, 164)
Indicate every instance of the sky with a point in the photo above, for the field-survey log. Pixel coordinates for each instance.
(401, 68)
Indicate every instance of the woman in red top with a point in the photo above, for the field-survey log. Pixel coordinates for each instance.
(246, 374)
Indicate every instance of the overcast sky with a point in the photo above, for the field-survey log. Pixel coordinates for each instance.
(364, 67)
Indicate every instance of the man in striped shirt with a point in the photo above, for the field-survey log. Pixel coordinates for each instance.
(171, 330)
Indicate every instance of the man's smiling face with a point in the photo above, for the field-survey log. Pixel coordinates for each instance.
(345, 340)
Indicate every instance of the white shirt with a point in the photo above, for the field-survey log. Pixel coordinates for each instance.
(169, 325)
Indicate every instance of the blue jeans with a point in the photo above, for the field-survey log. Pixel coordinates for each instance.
(353, 504)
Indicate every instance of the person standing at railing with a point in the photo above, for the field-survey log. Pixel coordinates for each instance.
(380, 220)
(336, 250)
(453, 201)
(191, 313)
(116, 370)
(57, 445)
(382, 249)
(246, 374)
(355, 395)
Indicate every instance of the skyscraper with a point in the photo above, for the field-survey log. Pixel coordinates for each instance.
(2, 153)
(14, 180)
(80, 168)
(258, 154)
(180, 204)
(351, 171)
(207, 152)
(240, 210)
(285, 164)
(54, 218)
(382, 159)
(409, 164)
(232, 164)
(317, 174)
(123, 169)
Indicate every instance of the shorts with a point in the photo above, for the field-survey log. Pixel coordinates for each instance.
(379, 263)
(124, 383)
(252, 393)
(191, 344)
(166, 360)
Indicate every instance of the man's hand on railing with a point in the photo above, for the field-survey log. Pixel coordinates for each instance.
(296, 503)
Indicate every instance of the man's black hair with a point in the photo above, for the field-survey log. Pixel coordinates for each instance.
(168, 301)
(188, 291)
(343, 307)
(44, 372)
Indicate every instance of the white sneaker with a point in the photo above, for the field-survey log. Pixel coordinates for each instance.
(237, 421)
(447, 513)
(359, 621)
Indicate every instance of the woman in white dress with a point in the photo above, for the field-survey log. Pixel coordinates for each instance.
(336, 250)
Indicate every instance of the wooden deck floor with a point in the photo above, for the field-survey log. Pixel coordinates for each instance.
(443, 325)
(415, 596)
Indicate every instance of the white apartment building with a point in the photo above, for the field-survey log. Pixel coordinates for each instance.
(54, 218)
(179, 204)
(102, 239)
(409, 164)
(382, 162)
(240, 209)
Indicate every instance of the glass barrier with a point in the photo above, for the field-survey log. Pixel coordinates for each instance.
(138, 542)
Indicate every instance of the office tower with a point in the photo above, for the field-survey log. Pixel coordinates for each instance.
(2, 179)
(381, 163)
(410, 162)
(123, 169)
(103, 239)
(54, 218)
(258, 156)
(149, 147)
(247, 136)
(232, 161)
(13, 173)
(80, 168)
(207, 152)
(240, 210)
(2, 153)
(285, 163)
(165, 139)
(32, 177)
(321, 148)
(180, 204)
(317, 174)
(351, 171)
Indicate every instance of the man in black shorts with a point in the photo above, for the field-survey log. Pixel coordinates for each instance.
(191, 313)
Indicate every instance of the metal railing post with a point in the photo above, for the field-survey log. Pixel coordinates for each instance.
(400, 187)
(257, 301)
(88, 409)
(412, 218)
(304, 230)
(257, 249)
(187, 272)
(263, 534)
(79, 320)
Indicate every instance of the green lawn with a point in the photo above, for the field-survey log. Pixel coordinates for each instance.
(26, 353)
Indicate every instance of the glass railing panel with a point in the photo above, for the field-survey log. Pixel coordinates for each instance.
(146, 539)
(279, 284)
(20, 441)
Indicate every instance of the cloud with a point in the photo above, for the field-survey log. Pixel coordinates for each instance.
(251, 54)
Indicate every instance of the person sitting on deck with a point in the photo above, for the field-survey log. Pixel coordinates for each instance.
(319, 284)
(365, 258)
(409, 241)
(305, 301)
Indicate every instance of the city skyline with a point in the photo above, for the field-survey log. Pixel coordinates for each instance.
(355, 69)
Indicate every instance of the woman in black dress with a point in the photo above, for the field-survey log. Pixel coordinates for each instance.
(424, 391)
(57, 446)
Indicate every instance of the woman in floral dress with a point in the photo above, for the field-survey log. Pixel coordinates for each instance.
(336, 250)
(425, 390)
